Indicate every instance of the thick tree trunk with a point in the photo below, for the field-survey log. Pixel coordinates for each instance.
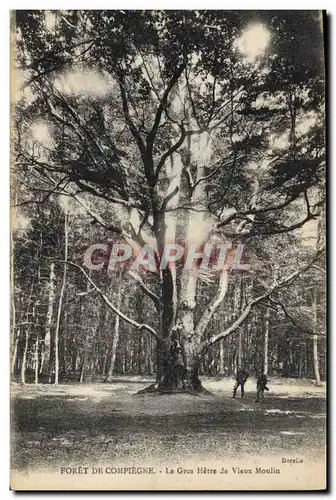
(177, 371)
(177, 362)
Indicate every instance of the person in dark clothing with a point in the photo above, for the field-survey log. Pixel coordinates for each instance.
(241, 378)
(261, 387)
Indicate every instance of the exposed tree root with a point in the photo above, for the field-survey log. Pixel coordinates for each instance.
(155, 389)
(150, 389)
(205, 391)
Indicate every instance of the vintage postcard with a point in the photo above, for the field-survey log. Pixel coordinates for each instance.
(168, 264)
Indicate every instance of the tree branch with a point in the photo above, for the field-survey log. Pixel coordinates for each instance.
(140, 326)
(130, 123)
(145, 288)
(41, 74)
(170, 151)
(214, 303)
(288, 280)
(169, 197)
(96, 217)
(256, 211)
(152, 134)
(286, 313)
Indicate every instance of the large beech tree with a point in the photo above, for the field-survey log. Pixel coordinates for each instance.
(167, 126)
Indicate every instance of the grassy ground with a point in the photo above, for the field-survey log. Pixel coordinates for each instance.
(89, 423)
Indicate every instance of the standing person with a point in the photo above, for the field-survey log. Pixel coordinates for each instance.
(261, 387)
(241, 378)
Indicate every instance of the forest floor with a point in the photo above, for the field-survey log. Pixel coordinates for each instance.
(91, 423)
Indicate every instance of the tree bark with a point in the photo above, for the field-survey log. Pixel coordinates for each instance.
(221, 357)
(315, 344)
(51, 300)
(188, 335)
(14, 336)
(49, 339)
(266, 335)
(115, 338)
(37, 360)
(103, 369)
(14, 354)
(316, 362)
(82, 373)
(24, 358)
(59, 311)
(240, 353)
(25, 350)
(42, 359)
(319, 241)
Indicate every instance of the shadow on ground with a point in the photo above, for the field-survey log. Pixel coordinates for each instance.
(90, 423)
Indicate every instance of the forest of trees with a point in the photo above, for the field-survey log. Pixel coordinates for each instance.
(163, 126)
